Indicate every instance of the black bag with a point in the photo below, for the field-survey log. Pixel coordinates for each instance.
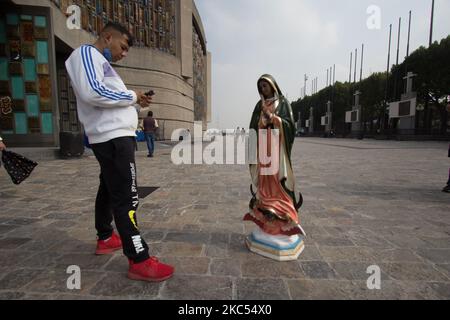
(18, 167)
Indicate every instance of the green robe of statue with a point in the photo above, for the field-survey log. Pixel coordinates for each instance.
(274, 207)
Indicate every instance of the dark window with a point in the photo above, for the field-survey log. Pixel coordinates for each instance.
(404, 109)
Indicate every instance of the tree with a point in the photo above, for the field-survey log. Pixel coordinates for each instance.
(432, 66)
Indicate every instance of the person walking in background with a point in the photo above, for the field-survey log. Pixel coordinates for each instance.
(150, 126)
(107, 110)
(157, 131)
(2, 145)
(447, 187)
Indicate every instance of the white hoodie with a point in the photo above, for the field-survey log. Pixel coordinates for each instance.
(105, 106)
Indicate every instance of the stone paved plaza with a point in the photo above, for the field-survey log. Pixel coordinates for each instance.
(366, 203)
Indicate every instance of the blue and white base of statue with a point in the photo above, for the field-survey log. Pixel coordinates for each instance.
(280, 248)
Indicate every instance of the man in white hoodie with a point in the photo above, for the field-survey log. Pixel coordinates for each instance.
(107, 110)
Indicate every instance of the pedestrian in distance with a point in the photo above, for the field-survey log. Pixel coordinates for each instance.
(150, 127)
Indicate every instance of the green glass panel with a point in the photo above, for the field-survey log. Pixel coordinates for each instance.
(47, 123)
(30, 69)
(21, 123)
(42, 51)
(32, 105)
(12, 19)
(3, 69)
(40, 21)
(17, 87)
(26, 17)
(2, 31)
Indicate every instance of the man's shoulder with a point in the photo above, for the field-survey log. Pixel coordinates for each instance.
(87, 50)
(77, 52)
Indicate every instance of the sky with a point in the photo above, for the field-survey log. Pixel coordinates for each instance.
(291, 38)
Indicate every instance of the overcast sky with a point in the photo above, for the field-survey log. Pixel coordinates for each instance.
(290, 38)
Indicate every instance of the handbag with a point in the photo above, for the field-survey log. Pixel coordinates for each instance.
(18, 167)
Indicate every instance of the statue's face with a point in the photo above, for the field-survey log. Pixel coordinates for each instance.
(266, 89)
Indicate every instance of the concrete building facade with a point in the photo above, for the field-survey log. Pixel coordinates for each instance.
(36, 37)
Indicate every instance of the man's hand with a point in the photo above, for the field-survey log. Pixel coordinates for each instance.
(2, 146)
(142, 99)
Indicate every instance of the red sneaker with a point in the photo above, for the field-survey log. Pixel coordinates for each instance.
(150, 270)
(109, 245)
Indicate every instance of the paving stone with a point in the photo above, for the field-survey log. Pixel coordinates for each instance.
(74, 245)
(13, 243)
(118, 285)
(437, 243)
(188, 237)
(28, 231)
(354, 270)
(441, 290)
(55, 281)
(397, 255)
(267, 268)
(153, 236)
(225, 267)
(365, 238)
(11, 258)
(333, 241)
(317, 270)
(318, 289)
(192, 228)
(413, 271)
(62, 224)
(4, 229)
(183, 265)
(358, 290)
(261, 289)
(181, 249)
(16, 279)
(72, 297)
(41, 260)
(216, 251)
(348, 254)
(197, 288)
(11, 295)
(84, 261)
(40, 242)
(62, 216)
(22, 221)
(220, 239)
(310, 253)
(435, 255)
(444, 268)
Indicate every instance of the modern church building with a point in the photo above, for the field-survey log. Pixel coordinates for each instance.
(37, 36)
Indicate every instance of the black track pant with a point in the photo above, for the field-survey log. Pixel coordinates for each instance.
(118, 197)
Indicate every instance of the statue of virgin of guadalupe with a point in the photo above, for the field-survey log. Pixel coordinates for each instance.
(274, 207)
